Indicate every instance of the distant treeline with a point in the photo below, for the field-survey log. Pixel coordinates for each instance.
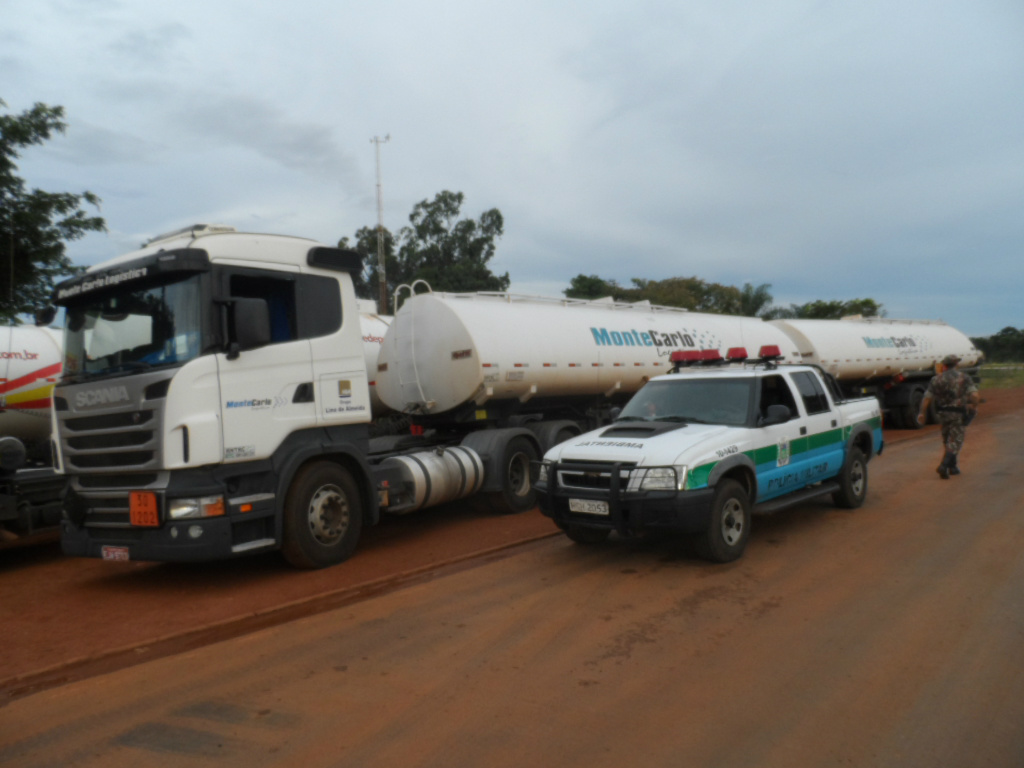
(1007, 346)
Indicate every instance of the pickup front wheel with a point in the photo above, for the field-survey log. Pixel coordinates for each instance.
(853, 481)
(726, 537)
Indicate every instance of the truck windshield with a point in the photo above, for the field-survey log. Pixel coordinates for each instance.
(133, 329)
(697, 400)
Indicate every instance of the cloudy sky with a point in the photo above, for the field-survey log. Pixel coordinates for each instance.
(833, 149)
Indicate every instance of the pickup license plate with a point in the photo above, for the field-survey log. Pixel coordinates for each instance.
(115, 553)
(588, 506)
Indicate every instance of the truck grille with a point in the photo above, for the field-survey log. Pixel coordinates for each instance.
(592, 476)
(113, 441)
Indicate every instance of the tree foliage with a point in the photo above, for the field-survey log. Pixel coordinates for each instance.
(35, 225)
(1006, 346)
(449, 252)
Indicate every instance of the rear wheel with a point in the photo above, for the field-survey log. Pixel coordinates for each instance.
(853, 481)
(517, 493)
(323, 516)
(726, 537)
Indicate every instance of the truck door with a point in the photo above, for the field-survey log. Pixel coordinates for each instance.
(262, 399)
(824, 438)
(779, 456)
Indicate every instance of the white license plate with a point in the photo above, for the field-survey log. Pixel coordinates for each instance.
(114, 553)
(588, 506)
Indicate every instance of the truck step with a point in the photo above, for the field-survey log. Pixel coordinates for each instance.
(784, 502)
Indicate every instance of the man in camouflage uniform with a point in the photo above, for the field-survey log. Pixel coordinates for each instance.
(956, 400)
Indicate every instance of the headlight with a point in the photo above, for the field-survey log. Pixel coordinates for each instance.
(205, 506)
(542, 473)
(658, 479)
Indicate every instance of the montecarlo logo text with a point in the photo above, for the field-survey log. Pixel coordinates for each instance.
(634, 338)
(265, 403)
(105, 396)
(890, 342)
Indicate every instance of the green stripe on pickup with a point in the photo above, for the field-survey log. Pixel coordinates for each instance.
(770, 453)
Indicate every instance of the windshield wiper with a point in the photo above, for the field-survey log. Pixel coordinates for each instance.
(682, 419)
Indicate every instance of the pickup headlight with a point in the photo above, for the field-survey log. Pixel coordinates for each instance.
(658, 479)
(205, 506)
(542, 473)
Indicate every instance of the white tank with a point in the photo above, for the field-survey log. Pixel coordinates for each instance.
(443, 350)
(30, 363)
(864, 348)
(374, 328)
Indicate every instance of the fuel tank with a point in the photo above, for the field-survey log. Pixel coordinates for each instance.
(444, 350)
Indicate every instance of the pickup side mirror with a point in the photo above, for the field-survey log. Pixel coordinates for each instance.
(777, 414)
(251, 324)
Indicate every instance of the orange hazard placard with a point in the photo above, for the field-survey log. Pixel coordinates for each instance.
(142, 509)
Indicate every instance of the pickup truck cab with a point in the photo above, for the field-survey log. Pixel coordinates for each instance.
(699, 450)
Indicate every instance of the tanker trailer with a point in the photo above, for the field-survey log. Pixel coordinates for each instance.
(458, 359)
(890, 359)
(30, 491)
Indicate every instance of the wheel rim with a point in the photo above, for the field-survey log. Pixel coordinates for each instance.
(328, 515)
(857, 478)
(519, 474)
(733, 519)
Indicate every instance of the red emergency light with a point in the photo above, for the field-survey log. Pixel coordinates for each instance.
(770, 352)
(736, 354)
(710, 356)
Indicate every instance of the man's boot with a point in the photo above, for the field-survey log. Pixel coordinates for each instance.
(953, 468)
(943, 468)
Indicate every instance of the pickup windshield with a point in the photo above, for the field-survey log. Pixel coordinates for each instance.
(696, 400)
(133, 329)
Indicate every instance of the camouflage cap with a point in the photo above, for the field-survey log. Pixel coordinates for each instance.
(950, 361)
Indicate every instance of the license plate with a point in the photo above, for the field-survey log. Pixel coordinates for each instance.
(588, 506)
(115, 553)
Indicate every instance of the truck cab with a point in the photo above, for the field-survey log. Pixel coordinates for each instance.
(199, 373)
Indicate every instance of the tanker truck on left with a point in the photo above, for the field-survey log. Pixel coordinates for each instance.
(30, 490)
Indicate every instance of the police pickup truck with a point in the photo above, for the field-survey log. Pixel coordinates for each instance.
(699, 450)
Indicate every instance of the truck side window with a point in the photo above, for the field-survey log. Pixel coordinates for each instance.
(811, 391)
(775, 391)
(280, 298)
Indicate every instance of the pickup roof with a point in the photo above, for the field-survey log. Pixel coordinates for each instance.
(699, 450)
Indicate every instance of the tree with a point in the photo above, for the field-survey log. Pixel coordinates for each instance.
(755, 302)
(592, 287)
(1003, 347)
(449, 252)
(34, 226)
(833, 310)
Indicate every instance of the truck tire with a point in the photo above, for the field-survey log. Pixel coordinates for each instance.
(323, 516)
(583, 534)
(517, 493)
(726, 537)
(912, 408)
(853, 481)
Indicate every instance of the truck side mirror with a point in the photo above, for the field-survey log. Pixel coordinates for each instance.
(777, 414)
(251, 323)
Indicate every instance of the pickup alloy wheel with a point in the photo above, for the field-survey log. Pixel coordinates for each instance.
(853, 481)
(726, 537)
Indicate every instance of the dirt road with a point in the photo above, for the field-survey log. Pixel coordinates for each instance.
(887, 636)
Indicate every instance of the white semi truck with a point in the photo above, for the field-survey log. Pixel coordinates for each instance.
(227, 410)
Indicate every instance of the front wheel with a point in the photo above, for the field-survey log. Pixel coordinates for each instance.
(582, 534)
(853, 481)
(726, 537)
(323, 516)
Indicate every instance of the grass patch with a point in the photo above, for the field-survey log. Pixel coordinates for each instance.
(1002, 375)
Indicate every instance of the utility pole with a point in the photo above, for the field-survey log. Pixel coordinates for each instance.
(382, 305)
